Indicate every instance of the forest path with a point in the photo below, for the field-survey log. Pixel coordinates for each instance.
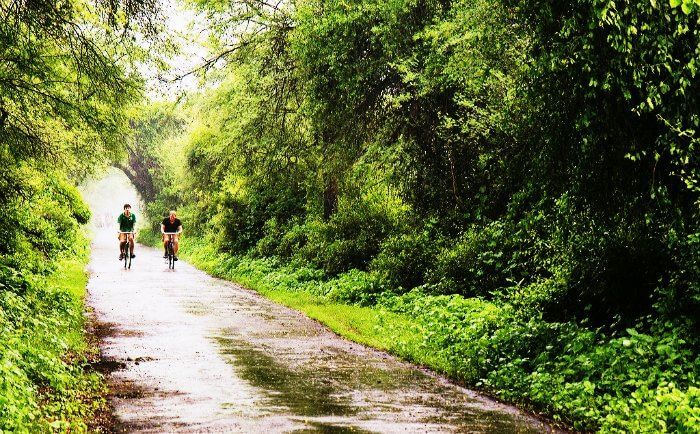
(198, 354)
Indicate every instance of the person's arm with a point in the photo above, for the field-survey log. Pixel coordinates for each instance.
(179, 229)
(162, 228)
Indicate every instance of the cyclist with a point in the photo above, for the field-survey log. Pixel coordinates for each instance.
(126, 221)
(171, 224)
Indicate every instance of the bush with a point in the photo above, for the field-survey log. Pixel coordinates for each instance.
(477, 264)
(663, 409)
(610, 273)
(293, 240)
(541, 296)
(353, 287)
(631, 383)
(244, 214)
(605, 269)
(404, 260)
(39, 318)
(268, 244)
(350, 239)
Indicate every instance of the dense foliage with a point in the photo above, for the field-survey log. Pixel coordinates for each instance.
(64, 83)
(520, 176)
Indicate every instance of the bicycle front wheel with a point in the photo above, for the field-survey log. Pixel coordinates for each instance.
(171, 256)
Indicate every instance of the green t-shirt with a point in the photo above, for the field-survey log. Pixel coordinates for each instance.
(126, 224)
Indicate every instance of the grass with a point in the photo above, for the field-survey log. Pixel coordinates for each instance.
(71, 278)
(45, 382)
(364, 325)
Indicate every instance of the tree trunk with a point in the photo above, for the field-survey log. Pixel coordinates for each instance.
(137, 170)
(330, 198)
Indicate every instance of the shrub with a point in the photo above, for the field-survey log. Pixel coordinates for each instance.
(475, 265)
(605, 269)
(404, 260)
(350, 239)
(538, 297)
(39, 317)
(636, 382)
(269, 243)
(666, 408)
(353, 287)
(293, 240)
(242, 215)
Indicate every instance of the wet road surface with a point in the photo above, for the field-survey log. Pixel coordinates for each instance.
(198, 354)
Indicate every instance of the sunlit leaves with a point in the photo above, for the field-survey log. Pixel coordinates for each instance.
(60, 82)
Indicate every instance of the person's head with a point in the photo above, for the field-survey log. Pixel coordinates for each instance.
(127, 208)
(173, 214)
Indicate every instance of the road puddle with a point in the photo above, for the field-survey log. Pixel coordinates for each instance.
(301, 391)
(341, 391)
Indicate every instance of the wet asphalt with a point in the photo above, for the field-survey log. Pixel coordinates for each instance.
(192, 353)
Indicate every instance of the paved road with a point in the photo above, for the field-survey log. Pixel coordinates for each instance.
(203, 355)
(198, 354)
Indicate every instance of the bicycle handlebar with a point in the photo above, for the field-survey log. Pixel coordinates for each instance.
(171, 233)
(126, 232)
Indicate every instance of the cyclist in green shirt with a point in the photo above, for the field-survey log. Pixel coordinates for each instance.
(126, 221)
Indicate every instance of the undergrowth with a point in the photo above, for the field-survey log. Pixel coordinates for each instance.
(44, 383)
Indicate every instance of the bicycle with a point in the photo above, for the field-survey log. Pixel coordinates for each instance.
(170, 250)
(127, 250)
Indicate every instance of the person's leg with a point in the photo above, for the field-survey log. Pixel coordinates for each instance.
(176, 243)
(165, 245)
(131, 245)
(122, 242)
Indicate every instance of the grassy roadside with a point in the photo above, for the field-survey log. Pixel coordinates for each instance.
(45, 382)
(583, 378)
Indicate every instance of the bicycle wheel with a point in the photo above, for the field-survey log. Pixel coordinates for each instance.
(127, 256)
(171, 256)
